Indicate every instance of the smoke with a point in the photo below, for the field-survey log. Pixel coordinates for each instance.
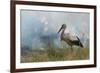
(38, 24)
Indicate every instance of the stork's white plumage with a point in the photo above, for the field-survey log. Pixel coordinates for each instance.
(68, 38)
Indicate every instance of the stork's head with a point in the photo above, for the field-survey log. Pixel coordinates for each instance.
(62, 27)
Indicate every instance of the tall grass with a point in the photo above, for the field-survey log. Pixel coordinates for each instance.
(52, 53)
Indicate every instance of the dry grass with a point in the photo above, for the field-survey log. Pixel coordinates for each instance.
(52, 54)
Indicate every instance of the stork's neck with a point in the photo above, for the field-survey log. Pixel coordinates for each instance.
(62, 33)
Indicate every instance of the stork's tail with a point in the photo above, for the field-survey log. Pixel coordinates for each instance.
(80, 44)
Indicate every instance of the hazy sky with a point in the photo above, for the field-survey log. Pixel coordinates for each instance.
(38, 23)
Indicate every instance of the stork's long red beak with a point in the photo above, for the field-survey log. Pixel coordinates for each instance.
(59, 29)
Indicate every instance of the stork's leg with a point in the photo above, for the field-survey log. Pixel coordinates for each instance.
(71, 48)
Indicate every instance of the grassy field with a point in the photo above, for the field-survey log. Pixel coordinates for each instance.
(54, 54)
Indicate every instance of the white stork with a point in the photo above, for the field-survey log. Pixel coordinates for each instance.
(69, 39)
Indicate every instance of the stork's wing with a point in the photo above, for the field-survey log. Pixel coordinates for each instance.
(70, 37)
